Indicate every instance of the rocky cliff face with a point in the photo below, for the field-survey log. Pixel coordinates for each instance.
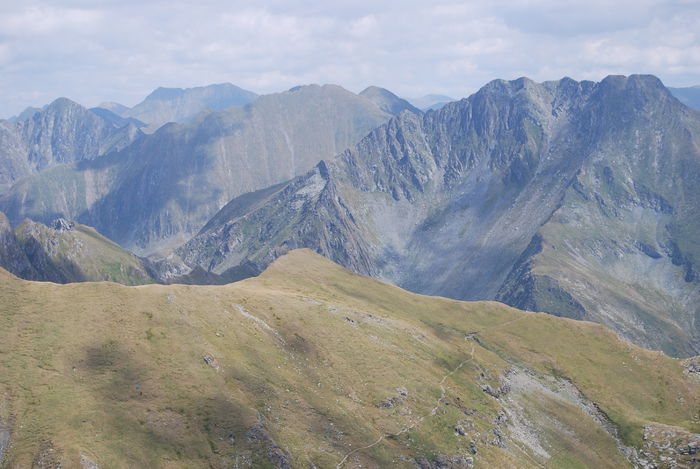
(281, 224)
(65, 132)
(460, 202)
(622, 248)
(162, 189)
(13, 156)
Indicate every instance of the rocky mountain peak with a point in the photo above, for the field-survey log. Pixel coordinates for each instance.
(202, 164)
(500, 87)
(116, 108)
(388, 101)
(165, 105)
(162, 93)
(313, 89)
(634, 93)
(61, 225)
(64, 103)
(65, 132)
(634, 82)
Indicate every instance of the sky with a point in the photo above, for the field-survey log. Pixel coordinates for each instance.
(103, 50)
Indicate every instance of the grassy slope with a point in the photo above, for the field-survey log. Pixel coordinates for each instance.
(80, 254)
(303, 355)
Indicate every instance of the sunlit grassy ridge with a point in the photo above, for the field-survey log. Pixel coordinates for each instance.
(310, 364)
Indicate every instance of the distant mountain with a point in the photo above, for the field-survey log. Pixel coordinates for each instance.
(118, 109)
(436, 106)
(66, 132)
(181, 105)
(66, 252)
(689, 96)
(61, 132)
(116, 119)
(431, 101)
(13, 155)
(310, 365)
(575, 198)
(161, 190)
(387, 101)
(28, 113)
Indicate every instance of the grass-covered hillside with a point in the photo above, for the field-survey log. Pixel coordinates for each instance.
(65, 252)
(309, 365)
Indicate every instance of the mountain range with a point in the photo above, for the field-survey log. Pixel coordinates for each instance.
(165, 105)
(388, 101)
(575, 198)
(62, 132)
(164, 187)
(310, 365)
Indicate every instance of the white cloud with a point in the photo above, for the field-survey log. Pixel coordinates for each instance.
(5, 54)
(45, 20)
(94, 50)
(363, 26)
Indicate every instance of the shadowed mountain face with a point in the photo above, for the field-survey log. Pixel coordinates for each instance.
(182, 105)
(576, 198)
(162, 189)
(309, 365)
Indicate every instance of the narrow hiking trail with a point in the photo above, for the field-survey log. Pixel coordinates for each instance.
(437, 404)
(417, 421)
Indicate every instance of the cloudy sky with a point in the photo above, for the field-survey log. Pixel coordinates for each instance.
(99, 50)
